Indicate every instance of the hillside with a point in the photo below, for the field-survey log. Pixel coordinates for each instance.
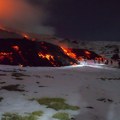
(31, 53)
(38, 50)
(104, 48)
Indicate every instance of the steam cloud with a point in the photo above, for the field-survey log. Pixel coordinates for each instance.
(23, 16)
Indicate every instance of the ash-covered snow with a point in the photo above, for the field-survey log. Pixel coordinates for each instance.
(93, 87)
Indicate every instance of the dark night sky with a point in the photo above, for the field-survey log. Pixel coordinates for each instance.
(76, 19)
(86, 19)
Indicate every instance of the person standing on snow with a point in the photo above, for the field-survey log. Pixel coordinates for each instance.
(119, 63)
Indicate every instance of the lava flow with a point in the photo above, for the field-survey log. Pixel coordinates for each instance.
(24, 51)
(81, 54)
(49, 57)
(25, 36)
(16, 48)
(87, 53)
(69, 52)
(6, 56)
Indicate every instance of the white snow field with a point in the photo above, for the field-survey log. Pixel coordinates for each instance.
(94, 88)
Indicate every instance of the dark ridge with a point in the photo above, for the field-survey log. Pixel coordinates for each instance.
(31, 53)
(83, 53)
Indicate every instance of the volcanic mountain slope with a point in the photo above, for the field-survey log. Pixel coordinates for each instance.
(84, 53)
(18, 48)
(81, 54)
(105, 48)
(32, 53)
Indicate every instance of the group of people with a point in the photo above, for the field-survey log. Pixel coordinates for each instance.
(110, 62)
(106, 61)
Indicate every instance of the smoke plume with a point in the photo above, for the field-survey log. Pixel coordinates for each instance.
(24, 16)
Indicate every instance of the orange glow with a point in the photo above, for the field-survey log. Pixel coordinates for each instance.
(15, 47)
(46, 56)
(33, 39)
(7, 55)
(2, 28)
(5, 8)
(16, 10)
(69, 52)
(80, 58)
(97, 58)
(87, 52)
(49, 57)
(25, 36)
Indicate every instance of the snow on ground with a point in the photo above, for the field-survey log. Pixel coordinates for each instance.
(93, 87)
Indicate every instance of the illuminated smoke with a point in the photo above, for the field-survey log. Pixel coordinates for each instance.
(23, 16)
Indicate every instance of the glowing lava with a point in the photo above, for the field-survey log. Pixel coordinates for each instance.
(25, 35)
(16, 48)
(46, 56)
(69, 52)
(87, 53)
(6, 55)
(49, 57)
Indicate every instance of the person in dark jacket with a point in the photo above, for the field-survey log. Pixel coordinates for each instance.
(119, 63)
(106, 62)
